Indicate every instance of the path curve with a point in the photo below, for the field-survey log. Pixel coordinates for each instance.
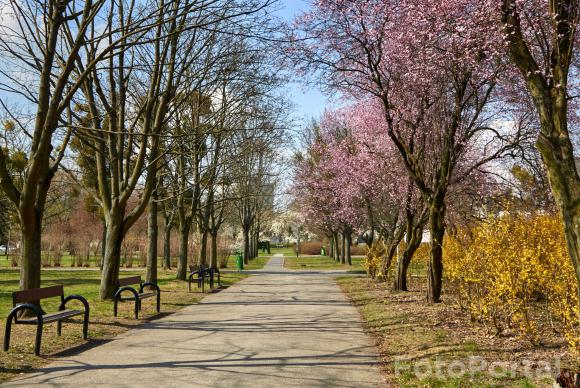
(277, 328)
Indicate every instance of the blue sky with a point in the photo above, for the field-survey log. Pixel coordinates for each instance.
(309, 101)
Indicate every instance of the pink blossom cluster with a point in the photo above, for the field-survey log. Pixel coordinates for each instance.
(351, 173)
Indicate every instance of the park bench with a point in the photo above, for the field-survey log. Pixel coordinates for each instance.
(204, 274)
(23, 300)
(124, 285)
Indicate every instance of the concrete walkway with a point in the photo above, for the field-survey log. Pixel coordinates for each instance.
(277, 328)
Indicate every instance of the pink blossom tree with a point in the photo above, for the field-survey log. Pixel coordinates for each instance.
(353, 162)
(434, 78)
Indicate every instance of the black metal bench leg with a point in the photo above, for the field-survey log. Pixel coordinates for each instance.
(158, 301)
(38, 339)
(137, 308)
(86, 324)
(58, 328)
(7, 333)
(115, 307)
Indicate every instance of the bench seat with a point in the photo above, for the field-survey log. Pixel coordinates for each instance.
(141, 296)
(52, 317)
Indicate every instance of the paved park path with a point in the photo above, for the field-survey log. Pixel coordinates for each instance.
(278, 328)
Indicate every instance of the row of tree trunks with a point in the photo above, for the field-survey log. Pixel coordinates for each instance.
(336, 252)
(331, 246)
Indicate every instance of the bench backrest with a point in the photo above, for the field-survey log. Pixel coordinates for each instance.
(36, 294)
(130, 280)
(195, 268)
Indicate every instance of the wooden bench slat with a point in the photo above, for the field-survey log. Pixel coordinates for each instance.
(52, 317)
(147, 294)
(37, 294)
(130, 280)
(141, 296)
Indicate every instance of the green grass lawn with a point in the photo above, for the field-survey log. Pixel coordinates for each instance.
(103, 325)
(321, 262)
(285, 251)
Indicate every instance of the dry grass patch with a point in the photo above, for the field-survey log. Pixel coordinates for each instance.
(425, 345)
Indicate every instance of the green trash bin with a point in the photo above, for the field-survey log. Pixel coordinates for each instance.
(240, 262)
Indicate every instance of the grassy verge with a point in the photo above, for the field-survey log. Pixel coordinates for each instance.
(257, 263)
(321, 263)
(103, 325)
(437, 346)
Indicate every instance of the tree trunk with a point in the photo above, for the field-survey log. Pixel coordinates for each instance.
(104, 244)
(343, 250)
(250, 244)
(152, 232)
(336, 247)
(203, 249)
(348, 245)
(214, 252)
(183, 244)
(412, 243)
(558, 155)
(331, 247)
(257, 244)
(254, 244)
(572, 233)
(391, 250)
(246, 232)
(30, 262)
(437, 230)
(551, 100)
(112, 259)
(167, 244)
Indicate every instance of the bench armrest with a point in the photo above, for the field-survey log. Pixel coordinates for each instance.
(74, 297)
(155, 286)
(126, 288)
(25, 306)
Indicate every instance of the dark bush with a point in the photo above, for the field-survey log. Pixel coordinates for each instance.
(310, 248)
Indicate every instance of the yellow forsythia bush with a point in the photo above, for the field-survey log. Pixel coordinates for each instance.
(513, 271)
(374, 258)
